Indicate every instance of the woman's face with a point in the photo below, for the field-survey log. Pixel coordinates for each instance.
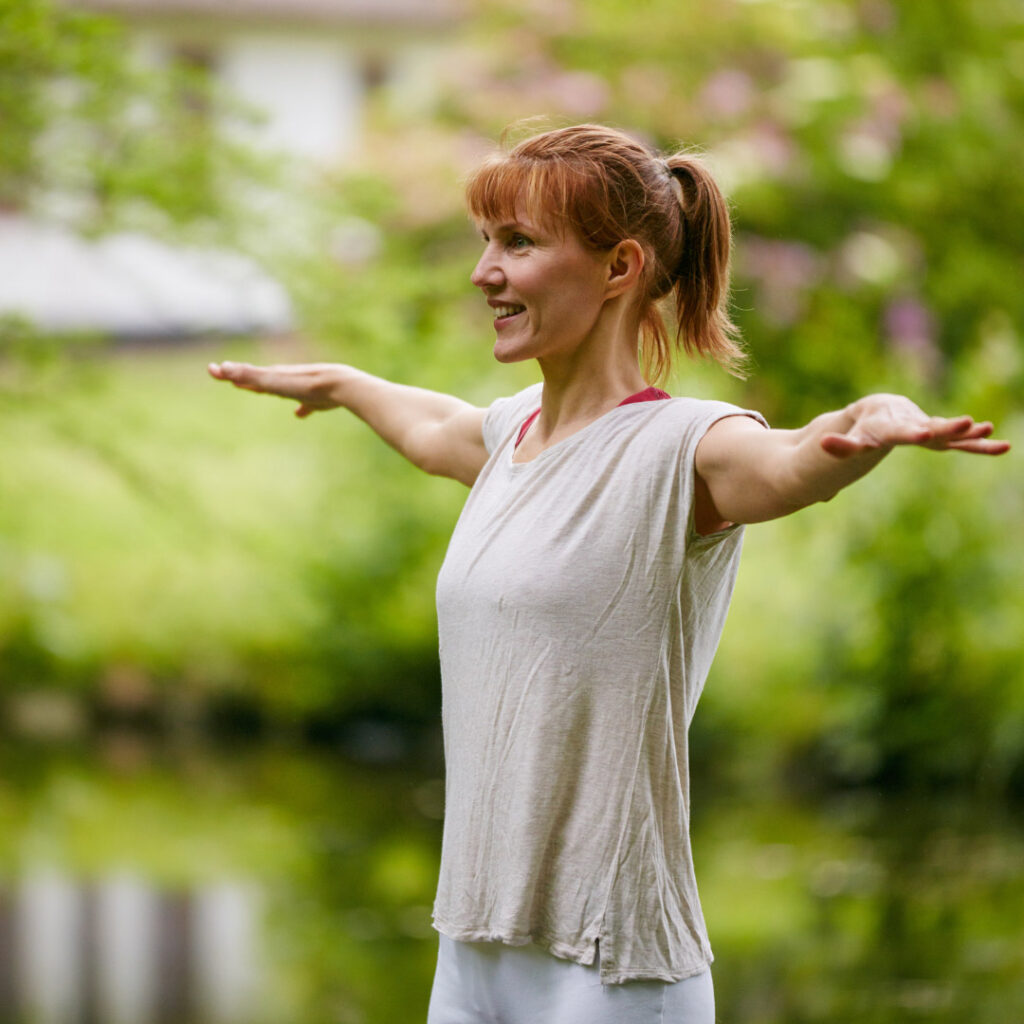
(546, 288)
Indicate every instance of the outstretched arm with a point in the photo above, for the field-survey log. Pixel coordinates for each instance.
(438, 433)
(747, 474)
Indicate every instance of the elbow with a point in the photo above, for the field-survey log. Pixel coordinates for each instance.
(438, 461)
(415, 447)
(803, 489)
(428, 459)
(777, 501)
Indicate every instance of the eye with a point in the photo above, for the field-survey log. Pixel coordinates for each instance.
(518, 241)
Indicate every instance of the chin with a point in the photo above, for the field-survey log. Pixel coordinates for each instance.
(509, 355)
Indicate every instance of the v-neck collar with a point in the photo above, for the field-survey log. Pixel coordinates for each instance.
(649, 394)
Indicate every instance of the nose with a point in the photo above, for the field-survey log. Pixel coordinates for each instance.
(487, 273)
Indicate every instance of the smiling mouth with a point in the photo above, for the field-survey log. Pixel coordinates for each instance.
(503, 313)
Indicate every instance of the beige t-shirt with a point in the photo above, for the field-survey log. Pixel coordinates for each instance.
(578, 613)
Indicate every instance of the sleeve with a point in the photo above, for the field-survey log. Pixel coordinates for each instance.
(716, 411)
(507, 414)
(703, 416)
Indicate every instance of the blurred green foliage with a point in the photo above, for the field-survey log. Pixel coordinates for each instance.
(860, 909)
(159, 528)
(92, 136)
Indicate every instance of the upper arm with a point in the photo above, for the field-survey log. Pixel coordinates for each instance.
(452, 446)
(738, 468)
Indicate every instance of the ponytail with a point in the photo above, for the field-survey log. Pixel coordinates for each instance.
(701, 285)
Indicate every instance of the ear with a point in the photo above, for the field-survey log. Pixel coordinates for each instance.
(625, 265)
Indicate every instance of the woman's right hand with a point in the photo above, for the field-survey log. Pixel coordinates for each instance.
(439, 433)
(312, 385)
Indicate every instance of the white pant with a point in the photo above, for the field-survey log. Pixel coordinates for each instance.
(492, 983)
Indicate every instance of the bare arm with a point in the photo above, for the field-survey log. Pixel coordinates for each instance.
(438, 433)
(747, 474)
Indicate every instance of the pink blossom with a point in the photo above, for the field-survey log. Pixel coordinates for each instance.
(910, 329)
(727, 93)
(784, 271)
(580, 93)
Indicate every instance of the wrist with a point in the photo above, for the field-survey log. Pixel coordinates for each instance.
(342, 384)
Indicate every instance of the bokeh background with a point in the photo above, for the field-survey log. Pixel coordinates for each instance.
(220, 792)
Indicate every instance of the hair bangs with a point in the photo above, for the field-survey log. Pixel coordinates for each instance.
(506, 188)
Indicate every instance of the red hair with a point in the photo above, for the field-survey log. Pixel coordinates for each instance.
(608, 187)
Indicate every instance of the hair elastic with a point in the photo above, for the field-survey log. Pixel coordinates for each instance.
(676, 184)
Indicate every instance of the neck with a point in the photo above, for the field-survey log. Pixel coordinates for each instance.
(595, 377)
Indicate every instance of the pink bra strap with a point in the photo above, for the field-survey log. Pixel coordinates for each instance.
(651, 394)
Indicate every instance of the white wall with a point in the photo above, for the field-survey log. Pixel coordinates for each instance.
(310, 90)
(413, 80)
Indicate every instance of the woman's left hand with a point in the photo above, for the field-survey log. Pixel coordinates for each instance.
(880, 422)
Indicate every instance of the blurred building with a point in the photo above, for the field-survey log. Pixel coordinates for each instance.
(131, 287)
(120, 950)
(307, 71)
(309, 66)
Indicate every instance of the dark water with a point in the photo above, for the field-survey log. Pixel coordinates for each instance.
(179, 882)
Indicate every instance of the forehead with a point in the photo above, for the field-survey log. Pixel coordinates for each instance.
(520, 221)
(507, 191)
(521, 218)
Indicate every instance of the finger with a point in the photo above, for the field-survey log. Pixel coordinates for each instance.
(304, 410)
(976, 433)
(905, 433)
(932, 432)
(980, 447)
(957, 426)
(247, 376)
(978, 430)
(952, 423)
(227, 370)
(234, 373)
(842, 446)
(947, 439)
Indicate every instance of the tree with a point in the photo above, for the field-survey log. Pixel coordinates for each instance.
(90, 136)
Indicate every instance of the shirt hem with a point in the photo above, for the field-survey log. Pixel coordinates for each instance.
(623, 975)
(564, 951)
(558, 948)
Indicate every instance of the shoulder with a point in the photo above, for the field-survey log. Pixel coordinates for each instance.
(709, 409)
(726, 433)
(507, 414)
(685, 421)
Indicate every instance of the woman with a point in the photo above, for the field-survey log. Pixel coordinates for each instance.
(588, 578)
